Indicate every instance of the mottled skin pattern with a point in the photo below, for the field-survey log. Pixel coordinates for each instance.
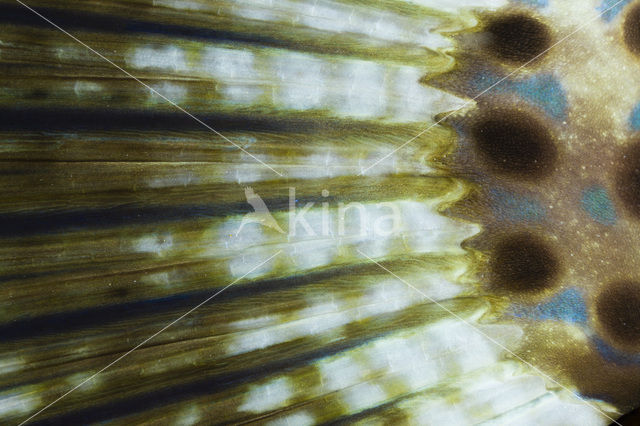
(558, 190)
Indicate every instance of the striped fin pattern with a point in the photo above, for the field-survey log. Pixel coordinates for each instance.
(121, 214)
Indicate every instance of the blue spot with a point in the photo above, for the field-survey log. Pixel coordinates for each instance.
(634, 120)
(544, 91)
(516, 208)
(487, 80)
(610, 9)
(568, 306)
(614, 355)
(535, 3)
(596, 202)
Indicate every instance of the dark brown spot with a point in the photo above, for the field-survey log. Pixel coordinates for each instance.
(522, 263)
(517, 38)
(618, 311)
(632, 30)
(515, 143)
(628, 180)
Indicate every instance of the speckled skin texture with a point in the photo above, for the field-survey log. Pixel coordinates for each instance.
(556, 189)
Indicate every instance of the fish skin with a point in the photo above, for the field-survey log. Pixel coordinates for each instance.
(584, 208)
(122, 213)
